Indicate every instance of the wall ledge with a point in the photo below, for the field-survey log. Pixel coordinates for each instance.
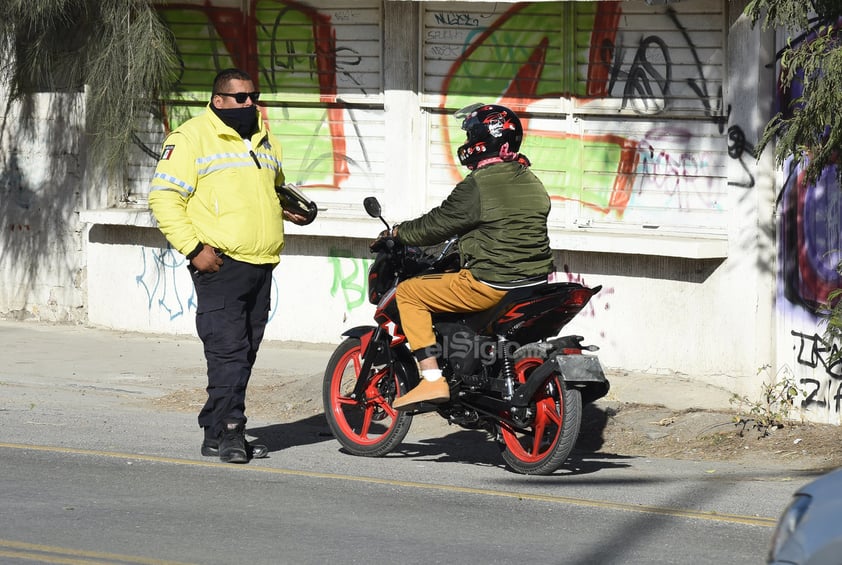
(137, 217)
(641, 242)
(592, 239)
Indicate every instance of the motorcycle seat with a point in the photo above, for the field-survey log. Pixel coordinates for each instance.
(482, 318)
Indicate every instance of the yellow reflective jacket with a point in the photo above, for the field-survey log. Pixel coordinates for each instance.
(211, 186)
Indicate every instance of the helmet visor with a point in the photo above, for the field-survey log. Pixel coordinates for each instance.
(464, 114)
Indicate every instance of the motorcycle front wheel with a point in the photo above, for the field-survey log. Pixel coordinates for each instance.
(366, 426)
(545, 443)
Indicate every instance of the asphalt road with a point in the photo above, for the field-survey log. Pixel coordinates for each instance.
(89, 473)
(126, 508)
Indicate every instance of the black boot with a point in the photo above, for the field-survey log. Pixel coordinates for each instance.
(232, 444)
(210, 448)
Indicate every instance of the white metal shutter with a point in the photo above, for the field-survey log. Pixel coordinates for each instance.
(622, 104)
(318, 67)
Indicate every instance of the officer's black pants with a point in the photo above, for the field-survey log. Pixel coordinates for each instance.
(231, 314)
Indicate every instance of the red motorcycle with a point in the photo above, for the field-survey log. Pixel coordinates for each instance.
(509, 372)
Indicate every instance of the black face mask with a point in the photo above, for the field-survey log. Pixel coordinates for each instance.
(242, 120)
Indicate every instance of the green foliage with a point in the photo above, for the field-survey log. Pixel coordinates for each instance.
(831, 314)
(791, 15)
(772, 410)
(120, 50)
(810, 130)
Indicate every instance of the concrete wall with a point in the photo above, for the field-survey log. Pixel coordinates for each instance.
(42, 179)
(693, 295)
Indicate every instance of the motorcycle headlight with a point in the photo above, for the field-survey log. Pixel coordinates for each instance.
(787, 524)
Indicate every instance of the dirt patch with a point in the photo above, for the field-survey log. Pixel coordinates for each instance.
(284, 402)
(607, 427)
(702, 435)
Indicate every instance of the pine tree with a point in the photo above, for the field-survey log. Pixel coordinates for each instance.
(120, 50)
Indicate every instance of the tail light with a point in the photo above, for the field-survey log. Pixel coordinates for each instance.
(578, 298)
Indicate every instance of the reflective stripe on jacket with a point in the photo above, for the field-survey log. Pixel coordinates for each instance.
(500, 214)
(211, 186)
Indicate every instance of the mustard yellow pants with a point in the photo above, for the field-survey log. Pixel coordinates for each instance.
(419, 297)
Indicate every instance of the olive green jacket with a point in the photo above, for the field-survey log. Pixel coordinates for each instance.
(500, 214)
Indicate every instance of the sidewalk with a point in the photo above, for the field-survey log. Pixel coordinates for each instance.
(60, 359)
(80, 388)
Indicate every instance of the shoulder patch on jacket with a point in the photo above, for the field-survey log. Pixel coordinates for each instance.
(167, 152)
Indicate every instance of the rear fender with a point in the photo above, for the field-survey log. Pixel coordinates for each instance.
(583, 372)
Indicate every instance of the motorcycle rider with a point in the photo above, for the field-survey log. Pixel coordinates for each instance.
(499, 211)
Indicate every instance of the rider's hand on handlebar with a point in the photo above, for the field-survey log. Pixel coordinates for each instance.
(386, 238)
(380, 241)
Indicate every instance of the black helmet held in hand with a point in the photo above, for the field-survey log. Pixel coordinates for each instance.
(492, 129)
(294, 201)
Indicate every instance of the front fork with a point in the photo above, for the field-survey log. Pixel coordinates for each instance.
(376, 349)
(372, 347)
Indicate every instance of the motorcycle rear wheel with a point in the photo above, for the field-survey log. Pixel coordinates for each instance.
(545, 444)
(369, 426)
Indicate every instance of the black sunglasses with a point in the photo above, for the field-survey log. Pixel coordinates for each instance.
(240, 97)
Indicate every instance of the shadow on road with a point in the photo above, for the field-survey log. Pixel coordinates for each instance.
(472, 447)
(278, 437)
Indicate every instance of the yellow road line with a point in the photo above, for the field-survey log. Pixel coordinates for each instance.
(664, 511)
(65, 556)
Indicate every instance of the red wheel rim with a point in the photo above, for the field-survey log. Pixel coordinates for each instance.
(363, 423)
(534, 443)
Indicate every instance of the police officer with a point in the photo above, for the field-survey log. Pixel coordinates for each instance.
(214, 197)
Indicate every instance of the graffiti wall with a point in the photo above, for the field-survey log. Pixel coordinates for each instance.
(318, 68)
(810, 232)
(627, 107)
(809, 255)
(622, 102)
(139, 283)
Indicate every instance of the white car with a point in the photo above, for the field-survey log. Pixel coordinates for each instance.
(809, 531)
